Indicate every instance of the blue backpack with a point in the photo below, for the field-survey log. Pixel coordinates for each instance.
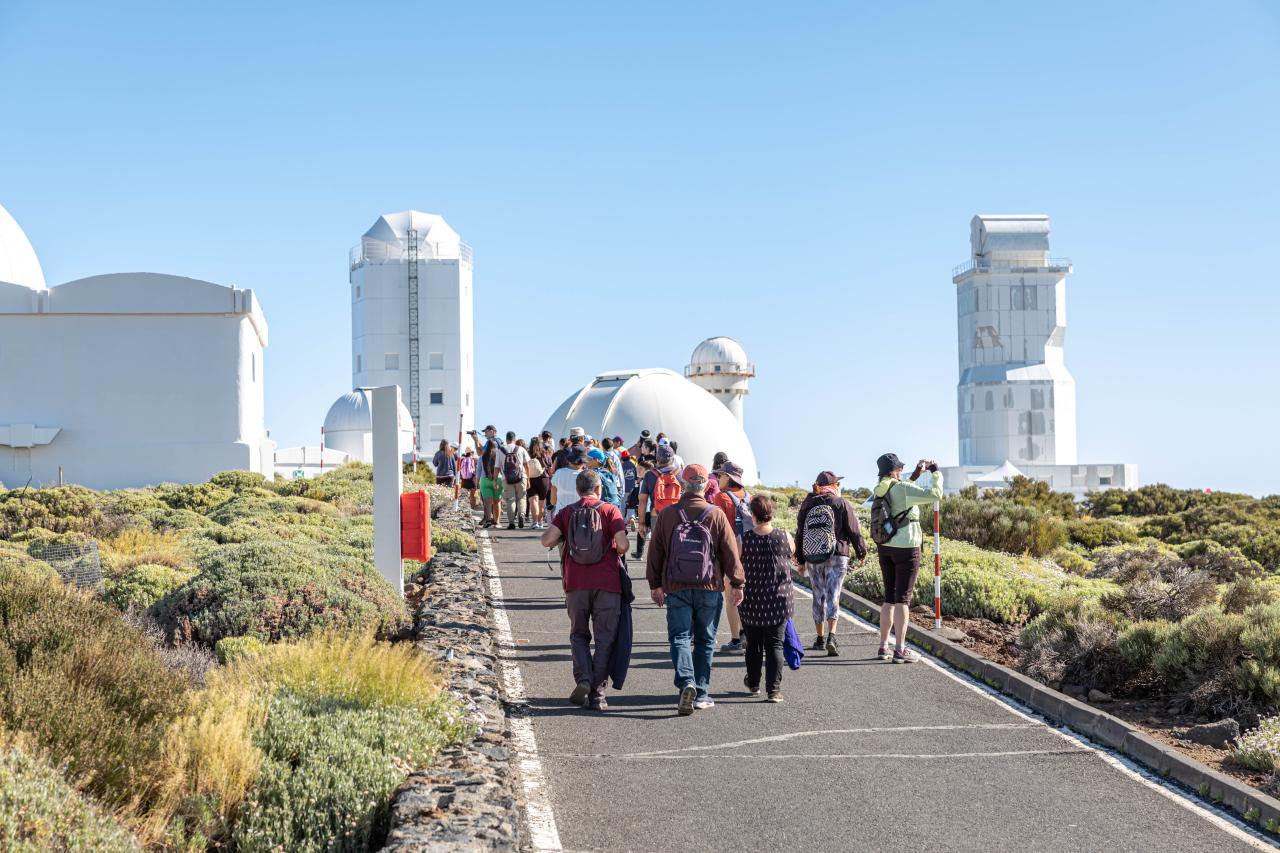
(742, 519)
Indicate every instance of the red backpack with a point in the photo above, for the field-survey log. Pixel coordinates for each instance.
(666, 491)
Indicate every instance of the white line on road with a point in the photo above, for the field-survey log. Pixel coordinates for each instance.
(823, 756)
(538, 812)
(1123, 765)
(826, 732)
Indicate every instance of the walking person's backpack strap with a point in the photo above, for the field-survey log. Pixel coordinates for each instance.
(884, 524)
(512, 470)
(742, 519)
(586, 543)
(691, 556)
(818, 539)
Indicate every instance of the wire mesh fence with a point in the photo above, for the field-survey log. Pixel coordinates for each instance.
(75, 562)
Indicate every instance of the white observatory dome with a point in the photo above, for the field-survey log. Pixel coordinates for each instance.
(722, 352)
(387, 239)
(349, 426)
(18, 261)
(625, 402)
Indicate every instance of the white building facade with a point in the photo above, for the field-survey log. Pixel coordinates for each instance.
(1016, 400)
(127, 379)
(411, 320)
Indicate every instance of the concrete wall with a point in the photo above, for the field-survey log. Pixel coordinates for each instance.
(1076, 479)
(148, 379)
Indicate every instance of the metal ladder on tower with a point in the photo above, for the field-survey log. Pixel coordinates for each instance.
(414, 389)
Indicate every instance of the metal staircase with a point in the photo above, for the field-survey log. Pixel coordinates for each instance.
(414, 384)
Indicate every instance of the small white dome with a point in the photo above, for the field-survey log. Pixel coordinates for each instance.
(724, 352)
(625, 402)
(348, 426)
(387, 239)
(18, 261)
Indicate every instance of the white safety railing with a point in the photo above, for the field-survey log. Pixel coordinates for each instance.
(1027, 265)
(378, 252)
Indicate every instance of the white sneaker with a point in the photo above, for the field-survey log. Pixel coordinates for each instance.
(704, 704)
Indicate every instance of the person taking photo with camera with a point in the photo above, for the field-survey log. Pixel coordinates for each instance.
(895, 528)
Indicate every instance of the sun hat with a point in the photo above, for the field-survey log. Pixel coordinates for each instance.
(887, 464)
(730, 470)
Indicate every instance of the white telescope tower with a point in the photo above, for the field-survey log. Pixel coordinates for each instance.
(721, 367)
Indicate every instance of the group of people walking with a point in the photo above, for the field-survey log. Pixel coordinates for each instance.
(711, 548)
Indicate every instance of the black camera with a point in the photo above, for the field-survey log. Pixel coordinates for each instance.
(933, 468)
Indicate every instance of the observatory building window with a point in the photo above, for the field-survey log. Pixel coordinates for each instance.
(357, 291)
(253, 367)
(393, 361)
(990, 401)
(435, 361)
(1037, 398)
(716, 368)
(358, 366)
(436, 398)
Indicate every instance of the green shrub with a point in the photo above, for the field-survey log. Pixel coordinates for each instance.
(1072, 562)
(58, 509)
(330, 769)
(89, 691)
(231, 649)
(1203, 648)
(40, 812)
(238, 481)
(279, 590)
(1038, 495)
(450, 540)
(142, 586)
(1239, 595)
(1259, 749)
(1095, 533)
(1224, 563)
(1258, 675)
(1002, 525)
(1073, 640)
(1138, 644)
(198, 497)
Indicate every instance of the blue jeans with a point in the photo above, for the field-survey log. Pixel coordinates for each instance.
(693, 615)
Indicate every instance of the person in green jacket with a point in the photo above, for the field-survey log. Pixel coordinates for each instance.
(900, 556)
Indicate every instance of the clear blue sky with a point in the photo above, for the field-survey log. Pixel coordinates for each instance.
(800, 177)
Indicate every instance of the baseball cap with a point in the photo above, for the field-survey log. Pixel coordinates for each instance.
(617, 439)
(663, 442)
(596, 454)
(693, 472)
(826, 478)
(626, 454)
(491, 427)
(730, 470)
(888, 463)
(665, 454)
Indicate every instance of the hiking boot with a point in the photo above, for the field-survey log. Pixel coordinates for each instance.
(598, 704)
(905, 656)
(522, 524)
(734, 647)
(704, 704)
(579, 695)
(511, 525)
(833, 648)
(639, 553)
(753, 692)
(775, 697)
(687, 695)
(819, 644)
(883, 653)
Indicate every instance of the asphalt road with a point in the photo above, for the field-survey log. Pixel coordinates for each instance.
(863, 755)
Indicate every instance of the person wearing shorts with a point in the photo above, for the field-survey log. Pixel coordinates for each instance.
(900, 556)
(467, 467)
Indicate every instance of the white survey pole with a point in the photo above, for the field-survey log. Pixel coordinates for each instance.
(388, 482)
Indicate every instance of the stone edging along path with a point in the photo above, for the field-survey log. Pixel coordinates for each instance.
(1249, 803)
(465, 801)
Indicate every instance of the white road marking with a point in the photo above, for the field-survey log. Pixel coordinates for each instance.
(823, 756)
(1123, 765)
(824, 732)
(538, 812)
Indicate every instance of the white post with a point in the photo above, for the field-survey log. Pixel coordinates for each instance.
(388, 481)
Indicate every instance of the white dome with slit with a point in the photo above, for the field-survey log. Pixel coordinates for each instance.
(18, 261)
(348, 426)
(624, 402)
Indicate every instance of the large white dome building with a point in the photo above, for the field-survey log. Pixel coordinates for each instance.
(624, 402)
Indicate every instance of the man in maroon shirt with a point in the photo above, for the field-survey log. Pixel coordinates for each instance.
(592, 591)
